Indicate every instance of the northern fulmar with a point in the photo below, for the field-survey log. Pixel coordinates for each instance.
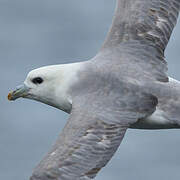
(124, 86)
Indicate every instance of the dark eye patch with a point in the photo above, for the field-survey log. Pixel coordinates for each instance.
(37, 80)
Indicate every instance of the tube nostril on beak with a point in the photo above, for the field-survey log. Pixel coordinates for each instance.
(20, 91)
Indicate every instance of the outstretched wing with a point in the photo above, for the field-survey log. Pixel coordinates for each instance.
(139, 35)
(92, 135)
(151, 21)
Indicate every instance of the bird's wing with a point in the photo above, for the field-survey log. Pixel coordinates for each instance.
(142, 28)
(92, 135)
(151, 21)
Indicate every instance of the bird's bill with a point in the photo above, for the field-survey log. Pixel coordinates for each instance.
(20, 91)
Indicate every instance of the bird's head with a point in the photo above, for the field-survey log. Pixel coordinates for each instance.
(49, 84)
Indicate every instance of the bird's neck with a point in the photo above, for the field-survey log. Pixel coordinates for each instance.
(63, 94)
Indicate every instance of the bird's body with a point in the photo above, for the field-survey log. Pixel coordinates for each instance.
(168, 95)
(124, 86)
(73, 74)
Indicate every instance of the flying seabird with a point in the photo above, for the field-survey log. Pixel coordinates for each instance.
(124, 86)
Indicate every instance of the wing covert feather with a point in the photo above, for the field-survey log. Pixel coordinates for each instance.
(82, 150)
(142, 27)
(151, 21)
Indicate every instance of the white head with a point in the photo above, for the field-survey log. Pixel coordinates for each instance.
(50, 85)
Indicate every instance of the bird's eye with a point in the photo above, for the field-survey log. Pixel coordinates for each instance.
(37, 80)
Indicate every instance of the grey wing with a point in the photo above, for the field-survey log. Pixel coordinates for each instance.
(149, 20)
(91, 136)
(139, 35)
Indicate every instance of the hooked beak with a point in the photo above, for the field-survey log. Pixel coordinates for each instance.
(20, 91)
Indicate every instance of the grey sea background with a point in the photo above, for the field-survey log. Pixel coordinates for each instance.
(35, 33)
